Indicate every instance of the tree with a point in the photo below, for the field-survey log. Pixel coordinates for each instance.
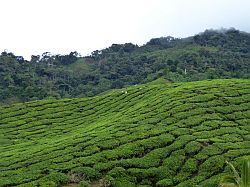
(236, 180)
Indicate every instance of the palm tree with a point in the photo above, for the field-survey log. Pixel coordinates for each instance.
(236, 180)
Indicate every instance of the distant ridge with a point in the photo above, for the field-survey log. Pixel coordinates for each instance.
(209, 55)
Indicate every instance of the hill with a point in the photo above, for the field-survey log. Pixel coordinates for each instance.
(208, 55)
(159, 134)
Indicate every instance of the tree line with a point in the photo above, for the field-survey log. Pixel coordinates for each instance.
(208, 55)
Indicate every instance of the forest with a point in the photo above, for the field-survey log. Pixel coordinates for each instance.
(209, 55)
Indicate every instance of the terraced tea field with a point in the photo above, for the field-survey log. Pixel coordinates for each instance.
(146, 135)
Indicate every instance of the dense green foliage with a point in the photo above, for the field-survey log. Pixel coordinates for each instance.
(237, 180)
(159, 134)
(209, 55)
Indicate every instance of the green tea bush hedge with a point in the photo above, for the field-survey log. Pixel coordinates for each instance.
(159, 135)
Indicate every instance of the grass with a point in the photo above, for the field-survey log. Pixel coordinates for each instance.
(80, 66)
(146, 135)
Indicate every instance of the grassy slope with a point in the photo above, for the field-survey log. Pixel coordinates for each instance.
(155, 134)
(80, 66)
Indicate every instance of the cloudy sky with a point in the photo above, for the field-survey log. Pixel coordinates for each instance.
(61, 26)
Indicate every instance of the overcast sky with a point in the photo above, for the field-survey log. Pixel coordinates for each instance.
(61, 26)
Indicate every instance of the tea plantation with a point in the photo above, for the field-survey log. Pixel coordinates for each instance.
(160, 135)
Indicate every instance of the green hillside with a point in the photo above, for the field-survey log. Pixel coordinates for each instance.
(159, 134)
(208, 55)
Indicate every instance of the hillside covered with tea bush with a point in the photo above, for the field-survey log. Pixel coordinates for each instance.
(159, 134)
(208, 55)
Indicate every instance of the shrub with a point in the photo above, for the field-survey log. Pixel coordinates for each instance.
(120, 178)
(58, 178)
(140, 174)
(47, 184)
(212, 166)
(105, 166)
(192, 147)
(86, 172)
(83, 183)
(165, 183)
(211, 182)
(190, 166)
(173, 163)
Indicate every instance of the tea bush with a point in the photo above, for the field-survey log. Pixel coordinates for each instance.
(176, 134)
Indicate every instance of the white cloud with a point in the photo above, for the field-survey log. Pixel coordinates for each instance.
(61, 26)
